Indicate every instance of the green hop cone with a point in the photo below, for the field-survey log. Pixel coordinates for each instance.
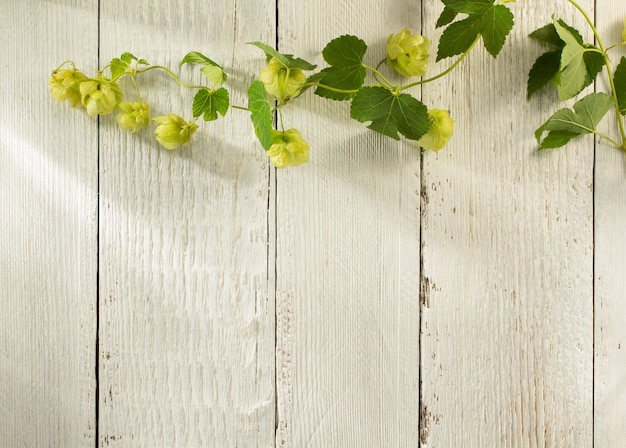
(282, 82)
(133, 116)
(440, 131)
(624, 31)
(64, 86)
(173, 131)
(408, 53)
(100, 96)
(288, 149)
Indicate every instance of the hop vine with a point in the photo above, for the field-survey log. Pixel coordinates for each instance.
(386, 106)
(570, 65)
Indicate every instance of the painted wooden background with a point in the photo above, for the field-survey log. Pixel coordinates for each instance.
(375, 297)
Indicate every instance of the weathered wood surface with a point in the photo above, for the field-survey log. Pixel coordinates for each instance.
(374, 297)
(610, 268)
(347, 256)
(186, 297)
(48, 243)
(507, 234)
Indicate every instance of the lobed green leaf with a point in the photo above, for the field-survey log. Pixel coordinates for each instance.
(211, 69)
(447, 16)
(469, 6)
(492, 22)
(345, 55)
(195, 57)
(548, 66)
(285, 59)
(573, 67)
(261, 114)
(566, 124)
(543, 71)
(210, 103)
(118, 67)
(390, 114)
(548, 34)
(620, 85)
(215, 74)
(128, 57)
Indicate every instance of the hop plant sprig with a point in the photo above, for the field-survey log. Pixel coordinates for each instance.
(570, 65)
(385, 103)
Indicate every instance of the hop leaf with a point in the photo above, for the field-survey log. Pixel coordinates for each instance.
(209, 68)
(492, 22)
(390, 113)
(573, 68)
(345, 57)
(209, 103)
(548, 67)
(120, 65)
(285, 59)
(620, 85)
(566, 123)
(261, 114)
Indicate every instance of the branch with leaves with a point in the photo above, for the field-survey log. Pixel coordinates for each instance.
(385, 105)
(571, 65)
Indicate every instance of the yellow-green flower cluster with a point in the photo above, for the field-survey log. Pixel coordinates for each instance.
(288, 149)
(408, 53)
(64, 86)
(100, 96)
(440, 131)
(173, 131)
(133, 116)
(282, 82)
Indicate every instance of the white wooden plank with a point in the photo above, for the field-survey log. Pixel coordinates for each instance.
(347, 254)
(507, 247)
(187, 306)
(610, 267)
(48, 253)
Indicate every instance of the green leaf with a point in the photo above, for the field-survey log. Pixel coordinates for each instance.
(211, 69)
(196, 57)
(285, 59)
(492, 22)
(556, 139)
(261, 114)
(573, 67)
(496, 25)
(566, 124)
(543, 71)
(215, 74)
(620, 85)
(118, 68)
(128, 57)
(447, 16)
(469, 6)
(389, 113)
(548, 66)
(209, 103)
(549, 35)
(345, 55)
(594, 61)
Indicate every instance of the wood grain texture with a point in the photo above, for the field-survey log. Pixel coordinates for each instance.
(610, 268)
(48, 206)
(347, 254)
(187, 306)
(507, 238)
